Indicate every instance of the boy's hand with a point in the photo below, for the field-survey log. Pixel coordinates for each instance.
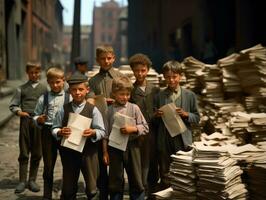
(89, 133)
(65, 131)
(127, 130)
(41, 119)
(23, 114)
(158, 113)
(106, 158)
(182, 113)
(109, 101)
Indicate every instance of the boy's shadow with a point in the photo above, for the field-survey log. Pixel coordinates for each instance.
(8, 183)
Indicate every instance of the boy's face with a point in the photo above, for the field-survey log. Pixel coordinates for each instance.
(121, 97)
(33, 74)
(172, 79)
(56, 84)
(106, 60)
(140, 72)
(78, 92)
(82, 68)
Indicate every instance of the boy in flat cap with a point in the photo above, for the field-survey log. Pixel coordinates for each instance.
(81, 65)
(73, 161)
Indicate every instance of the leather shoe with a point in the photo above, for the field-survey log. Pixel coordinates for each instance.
(33, 186)
(20, 187)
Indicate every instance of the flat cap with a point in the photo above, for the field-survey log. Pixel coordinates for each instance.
(80, 60)
(77, 78)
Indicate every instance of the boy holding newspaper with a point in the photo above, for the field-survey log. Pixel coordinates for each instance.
(125, 124)
(176, 109)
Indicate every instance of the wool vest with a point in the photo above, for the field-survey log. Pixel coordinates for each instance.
(30, 96)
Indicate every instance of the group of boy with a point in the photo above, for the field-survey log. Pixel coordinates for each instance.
(149, 145)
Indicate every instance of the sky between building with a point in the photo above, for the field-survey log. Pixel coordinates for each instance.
(86, 10)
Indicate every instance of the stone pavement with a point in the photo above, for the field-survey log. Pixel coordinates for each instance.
(9, 152)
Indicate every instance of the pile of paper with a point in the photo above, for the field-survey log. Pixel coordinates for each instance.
(182, 176)
(257, 127)
(231, 82)
(152, 76)
(238, 124)
(218, 175)
(212, 81)
(218, 139)
(251, 70)
(191, 66)
(217, 114)
(247, 153)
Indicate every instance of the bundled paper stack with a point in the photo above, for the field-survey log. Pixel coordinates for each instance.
(238, 124)
(213, 91)
(255, 159)
(126, 70)
(247, 153)
(218, 139)
(152, 76)
(94, 71)
(251, 66)
(257, 127)
(218, 175)
(218, 114)
(182, 176)
(231, 82)
(191, 65)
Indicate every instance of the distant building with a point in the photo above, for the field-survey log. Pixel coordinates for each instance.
(33, 32)
(105, 29)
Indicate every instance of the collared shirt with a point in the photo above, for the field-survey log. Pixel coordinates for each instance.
(15, 102)
(175, 95)
(55, 102)
(131, 110)
(101, 83)
(97, 121)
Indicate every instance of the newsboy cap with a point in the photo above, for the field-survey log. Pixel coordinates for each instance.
(77, 78)
(80, 60)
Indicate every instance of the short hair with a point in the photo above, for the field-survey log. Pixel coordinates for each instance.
(122, 83)
(33, 64)
(104, 49)
(54, 72)
(141, 59)
(173, 66)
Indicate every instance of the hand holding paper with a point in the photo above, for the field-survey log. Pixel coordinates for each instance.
(172, 120)
(127, 130)
(78, 126)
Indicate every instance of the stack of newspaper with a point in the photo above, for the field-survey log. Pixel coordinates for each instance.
(212, 81)
(231, 82)
(238, 124)
(257, 128)
(152, 76)
(182, 174)
(251, 71)
(218, 139)
(191, 66)
(218, 175)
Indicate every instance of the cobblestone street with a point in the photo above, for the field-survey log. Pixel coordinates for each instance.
(9, 151)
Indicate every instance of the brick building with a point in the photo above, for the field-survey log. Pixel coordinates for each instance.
(105, 28)
(33, 31)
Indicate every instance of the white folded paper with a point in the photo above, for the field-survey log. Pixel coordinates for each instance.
(116, 138)
(77, 123)
(172, 120)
